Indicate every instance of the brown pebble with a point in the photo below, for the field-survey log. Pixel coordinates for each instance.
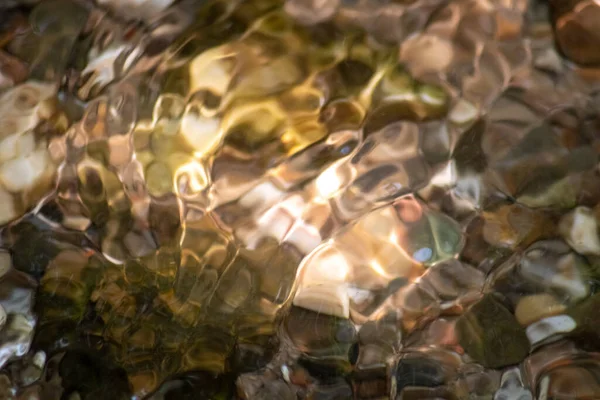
(535, 307)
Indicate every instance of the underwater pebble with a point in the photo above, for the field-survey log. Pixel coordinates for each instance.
(535, 307)
(580, 229)
(547, 327)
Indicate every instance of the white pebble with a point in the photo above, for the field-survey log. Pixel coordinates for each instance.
(547, 327)
(329, 299)
(22, 173)
(201, 133)
(39, 359)
(580, 230)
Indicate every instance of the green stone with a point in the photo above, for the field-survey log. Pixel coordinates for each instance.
(447, 236)
(434, 239)
(491, 335)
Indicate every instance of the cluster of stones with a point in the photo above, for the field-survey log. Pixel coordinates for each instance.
(299, 200)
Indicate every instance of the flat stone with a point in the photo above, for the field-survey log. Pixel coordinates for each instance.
(512, 388)
(491, 335)
(330, 299)
(420, 372)
(548, 327)
(535, 307)
(514, 225)
(551, 265)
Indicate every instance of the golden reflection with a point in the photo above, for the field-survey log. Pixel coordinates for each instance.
(202, 134)
(190, 179)
(212, 70)
(325, 167)
(329, 182)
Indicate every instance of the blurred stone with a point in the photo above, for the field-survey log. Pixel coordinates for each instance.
(512, 387)
(324, 288)
(6, 388)
(415, 372)
(328, 299)
(379, 341)
(336, 390)
(439, 332)
(193, 385)
(12, 70)
(253, 354)
(320, 335)
(311, 11)
(576, 32)
(137, 9)
(548, 327)
(426, 54)
(301, 199)
(536, 175)
(16, 337)
(5, 262)
(418, 304)
(419, 372)
(452, 280)
(370, 377)
(463, 113)
(477, 382)
(399, 96)
(580, 229)
(428, 236)
(514, 225)
(552, 265)
(491, 335)
(55, 25)
(33, 249)
(585, 317)
(535, 307)
(274, 390)
(574, 381)
(32, 369)
(24, 109)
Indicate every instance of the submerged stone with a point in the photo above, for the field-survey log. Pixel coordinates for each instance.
(300, 199)
(491, 335)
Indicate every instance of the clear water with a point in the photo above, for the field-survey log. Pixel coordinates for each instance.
(309, 199)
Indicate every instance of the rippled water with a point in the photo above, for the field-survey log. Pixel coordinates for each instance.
(301, 199)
